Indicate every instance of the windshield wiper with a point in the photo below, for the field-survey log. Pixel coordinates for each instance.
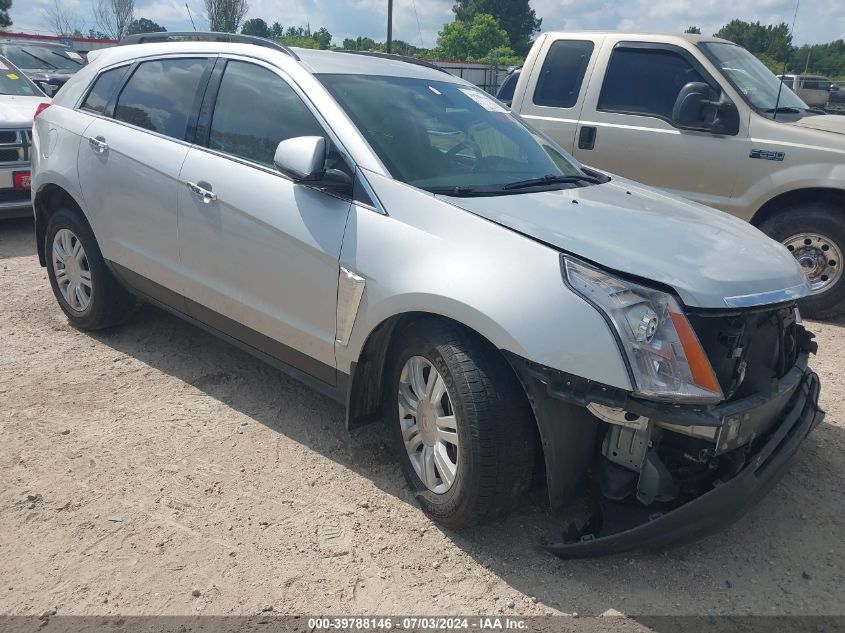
(459, 191)
(551, 179)
(784, 110)
(43, 61)
(65, 57)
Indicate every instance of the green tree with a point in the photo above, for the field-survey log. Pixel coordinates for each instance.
(257, 27)
(485, 35)
(322, 37)
(693, 30)
(276, 30)
(5, 20)
(773, 40)
(96, 34)
(473, 41)
(453, 41)
(516, 17)
(143, 25)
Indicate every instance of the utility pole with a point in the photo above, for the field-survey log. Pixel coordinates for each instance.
(389, 26)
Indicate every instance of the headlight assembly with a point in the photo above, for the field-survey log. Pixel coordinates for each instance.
(662, 350)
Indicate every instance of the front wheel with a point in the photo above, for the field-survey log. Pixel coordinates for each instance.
(462, 425)
(815, 234)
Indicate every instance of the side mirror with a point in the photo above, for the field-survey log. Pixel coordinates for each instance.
(303, 158)
(696, 108)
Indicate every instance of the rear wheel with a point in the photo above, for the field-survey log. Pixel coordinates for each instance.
(86, 290)
(815, 234)
(462, 426)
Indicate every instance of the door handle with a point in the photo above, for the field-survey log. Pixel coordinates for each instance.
(587, 137)
(206, 195)
(98, 144)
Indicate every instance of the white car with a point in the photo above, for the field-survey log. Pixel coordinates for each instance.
(19, 100)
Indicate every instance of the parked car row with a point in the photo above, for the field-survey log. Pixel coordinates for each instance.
(400, 240)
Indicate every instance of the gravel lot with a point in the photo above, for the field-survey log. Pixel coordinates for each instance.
(156, 470)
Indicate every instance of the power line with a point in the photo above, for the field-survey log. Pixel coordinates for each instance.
(414, 4)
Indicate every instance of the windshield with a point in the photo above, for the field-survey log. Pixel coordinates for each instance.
(439, 136)
(13, 82)
(754, 81)
(42, 56)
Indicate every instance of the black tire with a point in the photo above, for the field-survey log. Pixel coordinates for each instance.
(817, 218)
(494, 424)
(110, 303)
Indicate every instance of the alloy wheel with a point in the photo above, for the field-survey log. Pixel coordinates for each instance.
(428, 424)
(72, 271)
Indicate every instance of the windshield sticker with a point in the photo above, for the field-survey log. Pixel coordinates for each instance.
(483, 100)
(3, 66)
(12, 76)
(74, 55)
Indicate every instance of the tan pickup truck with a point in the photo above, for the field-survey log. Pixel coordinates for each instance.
(704, 119)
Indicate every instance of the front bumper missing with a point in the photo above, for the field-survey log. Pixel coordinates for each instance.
(621, 527)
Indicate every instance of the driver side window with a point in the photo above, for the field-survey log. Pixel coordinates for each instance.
(256, 110)
(645, 81)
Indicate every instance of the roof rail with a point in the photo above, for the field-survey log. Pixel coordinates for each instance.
(206, 36)
(398, 58)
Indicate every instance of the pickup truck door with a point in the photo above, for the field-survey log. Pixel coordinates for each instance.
(626, 124)
(555, 79)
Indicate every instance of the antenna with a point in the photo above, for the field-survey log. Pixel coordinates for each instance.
(190, 16)
(783, 72)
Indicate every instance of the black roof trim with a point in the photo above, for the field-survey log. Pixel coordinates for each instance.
(398, 58)
(206, 36)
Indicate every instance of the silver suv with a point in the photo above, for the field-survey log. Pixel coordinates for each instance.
(397, 238)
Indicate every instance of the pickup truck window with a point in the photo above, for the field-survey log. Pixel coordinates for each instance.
(563, 73)
(645, 81)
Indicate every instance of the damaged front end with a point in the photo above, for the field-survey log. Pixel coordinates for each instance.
(658, 472)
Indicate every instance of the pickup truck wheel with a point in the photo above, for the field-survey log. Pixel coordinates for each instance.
(461, 424)
(87, 292)
(815, 234)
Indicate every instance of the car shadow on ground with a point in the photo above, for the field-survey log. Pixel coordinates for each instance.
(719, 570)
(17, 238)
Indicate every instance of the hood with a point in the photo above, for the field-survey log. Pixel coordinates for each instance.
(823, 123)
(704, 254)
(16, 111)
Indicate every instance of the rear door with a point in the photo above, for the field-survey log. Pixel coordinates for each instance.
(626, 124)
(556, 84)
(260, 252)
(130, 158)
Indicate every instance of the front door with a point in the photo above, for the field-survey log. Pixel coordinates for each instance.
(626, 126)
(259, 252)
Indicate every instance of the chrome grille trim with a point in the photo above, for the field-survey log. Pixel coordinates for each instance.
(19, 140)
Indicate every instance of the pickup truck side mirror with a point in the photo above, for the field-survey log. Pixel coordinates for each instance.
(303, 158)
(697, 109)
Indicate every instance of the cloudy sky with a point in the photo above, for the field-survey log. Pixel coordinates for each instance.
(418, 21)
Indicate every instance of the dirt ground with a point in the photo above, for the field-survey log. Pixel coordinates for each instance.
(156, 470)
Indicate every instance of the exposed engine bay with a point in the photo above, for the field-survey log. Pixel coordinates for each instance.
(652, 459)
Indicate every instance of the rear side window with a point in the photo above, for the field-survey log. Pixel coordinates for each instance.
(256, 110)
(104, 86)
(645, 81)
(563, 73)
(160, 95)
